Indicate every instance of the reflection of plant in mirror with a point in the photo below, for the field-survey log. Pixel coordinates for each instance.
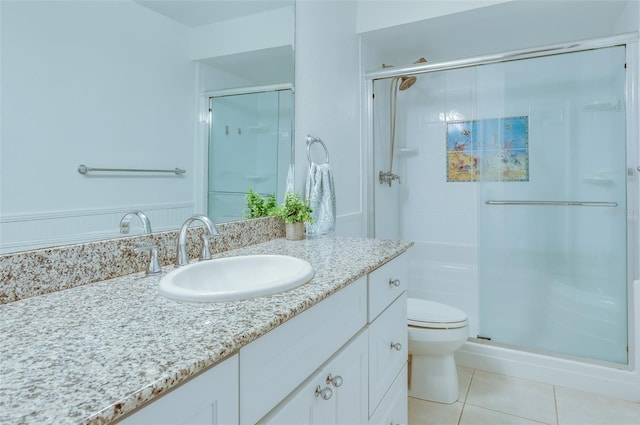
(294, 209)
(258, 206)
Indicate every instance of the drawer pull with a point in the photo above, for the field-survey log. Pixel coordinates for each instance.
(396, 346)
(336, 381)
(325, 393)
(394, 282)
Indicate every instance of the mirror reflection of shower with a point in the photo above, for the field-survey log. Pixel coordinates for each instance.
(400, 83)
(250, 147)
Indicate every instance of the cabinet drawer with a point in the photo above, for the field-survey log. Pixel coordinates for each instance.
(382, 284)
(275, 364)
(393, 408)
(387, 349)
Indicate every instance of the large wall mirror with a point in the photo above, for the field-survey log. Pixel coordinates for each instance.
(132, 85)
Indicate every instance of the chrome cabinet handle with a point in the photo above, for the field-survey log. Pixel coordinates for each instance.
(396, 346)
(336, 381)
(394, 282)
(325, 393)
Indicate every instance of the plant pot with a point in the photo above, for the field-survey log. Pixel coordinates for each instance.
(294, 231)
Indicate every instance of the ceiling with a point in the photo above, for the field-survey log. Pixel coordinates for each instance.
(195, 13)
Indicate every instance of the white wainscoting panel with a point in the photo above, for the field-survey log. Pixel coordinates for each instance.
(19, 232)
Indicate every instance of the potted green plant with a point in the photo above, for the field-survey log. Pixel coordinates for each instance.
(294, 212)
(258, 206)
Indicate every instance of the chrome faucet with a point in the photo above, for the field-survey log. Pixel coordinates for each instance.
(124, 223)
(182, 258)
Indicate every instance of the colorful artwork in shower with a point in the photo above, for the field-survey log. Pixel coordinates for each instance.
(488, 150)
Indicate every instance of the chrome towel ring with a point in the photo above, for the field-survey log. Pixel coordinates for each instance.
(310, 141)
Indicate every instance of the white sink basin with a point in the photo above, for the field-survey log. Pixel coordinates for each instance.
(235, 278)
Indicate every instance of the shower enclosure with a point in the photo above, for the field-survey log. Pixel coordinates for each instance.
(515, 184)
(250, 147)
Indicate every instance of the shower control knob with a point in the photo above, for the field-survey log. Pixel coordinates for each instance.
(325, 393)
(394, 282)
(336, 381)
(396, 346)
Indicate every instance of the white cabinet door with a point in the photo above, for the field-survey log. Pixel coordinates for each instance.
(272, 366)
(387, 349)
(209, 399)
(336, 394)
(393, 409)
(352, 365)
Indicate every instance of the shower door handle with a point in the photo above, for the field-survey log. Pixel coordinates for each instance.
(555, 203)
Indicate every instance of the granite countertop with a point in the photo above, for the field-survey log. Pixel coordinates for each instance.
(96, 352)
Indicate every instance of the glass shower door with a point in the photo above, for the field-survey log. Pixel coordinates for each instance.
(551, 158)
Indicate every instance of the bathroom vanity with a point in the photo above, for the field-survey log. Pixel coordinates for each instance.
(333, 350)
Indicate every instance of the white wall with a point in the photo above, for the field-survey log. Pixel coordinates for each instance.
(239, 35)
(378, 14)
(106, 84)
(328, 99)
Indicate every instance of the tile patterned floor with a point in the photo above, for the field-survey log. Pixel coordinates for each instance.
(492, 399)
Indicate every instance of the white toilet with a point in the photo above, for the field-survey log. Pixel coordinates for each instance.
(435, 332)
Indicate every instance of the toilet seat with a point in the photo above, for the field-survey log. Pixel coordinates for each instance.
(432, 315)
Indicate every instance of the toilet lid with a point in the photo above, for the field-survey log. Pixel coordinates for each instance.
(429, 314)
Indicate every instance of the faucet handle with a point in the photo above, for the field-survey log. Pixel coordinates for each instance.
(206, 251)
(154, 267)
(124, 226)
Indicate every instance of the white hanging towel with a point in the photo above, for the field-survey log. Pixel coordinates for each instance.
(322, 199)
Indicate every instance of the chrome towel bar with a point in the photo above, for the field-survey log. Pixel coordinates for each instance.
(84, 169)
(555, 203)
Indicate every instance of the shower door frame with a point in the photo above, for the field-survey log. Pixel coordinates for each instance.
(632, 91)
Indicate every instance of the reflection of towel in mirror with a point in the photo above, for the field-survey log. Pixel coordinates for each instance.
(322, 199)
(289, 184)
